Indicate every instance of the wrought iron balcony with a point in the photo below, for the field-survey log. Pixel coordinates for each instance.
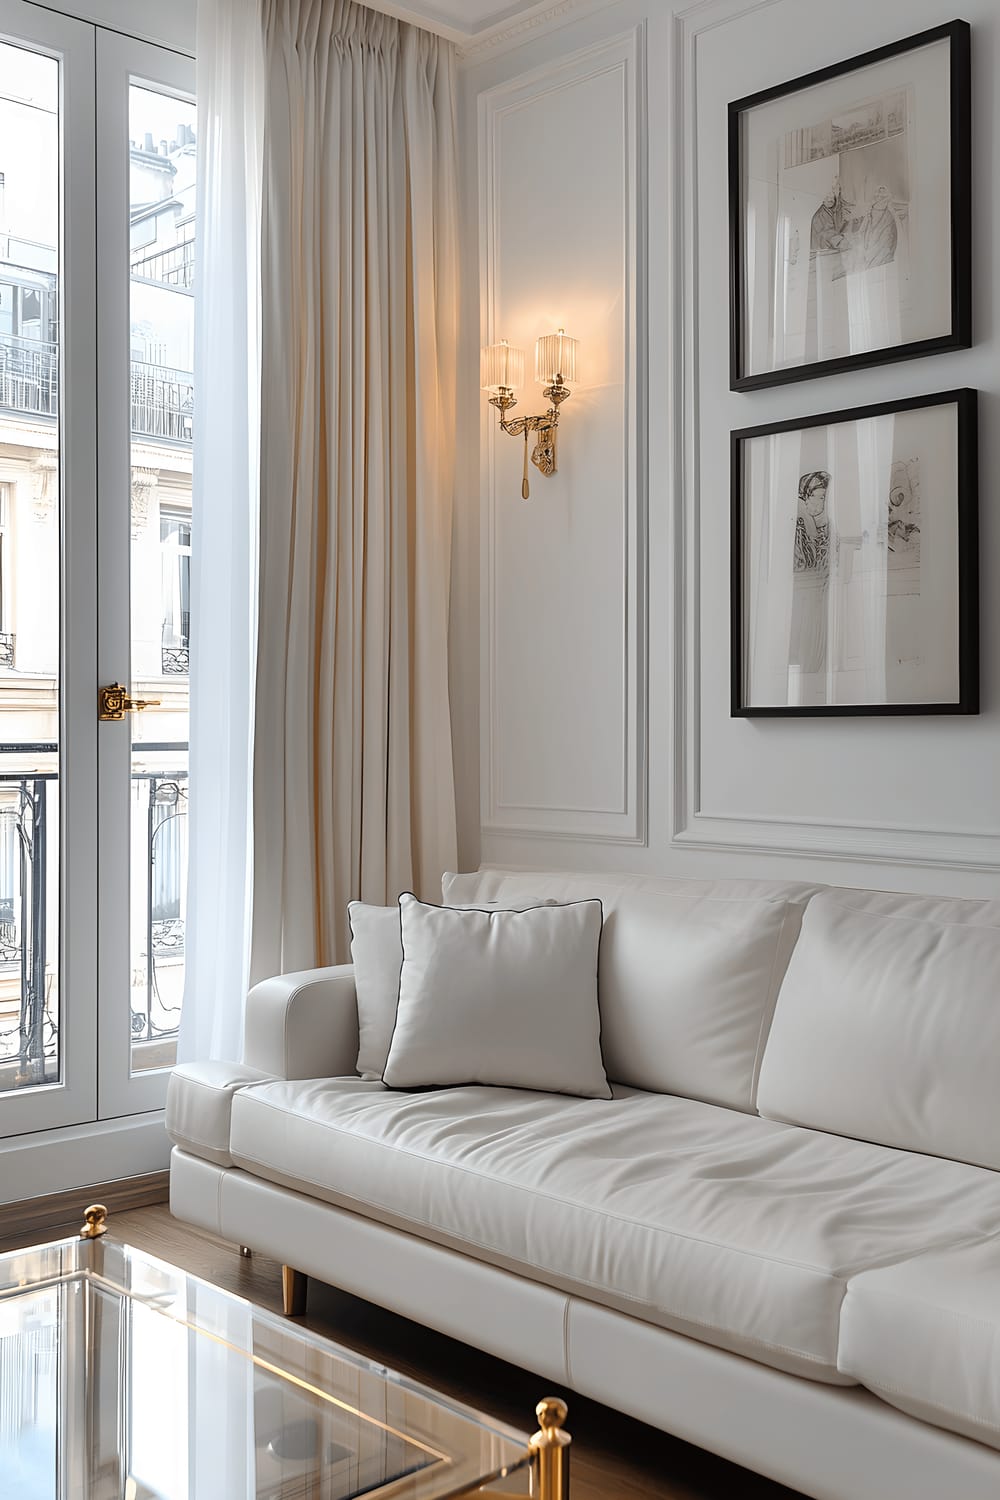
(29, 376)
(29, 939)
(164, 799)
(162, 398)
(7, 639)
(173, 267)
(29, 1029)
(162, 402)
(175, 661)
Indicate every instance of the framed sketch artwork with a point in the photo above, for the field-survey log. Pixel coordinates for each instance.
(850, 213)
(854, 564)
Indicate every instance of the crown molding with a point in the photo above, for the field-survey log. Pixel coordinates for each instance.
(474, 45)
(538, 21)
(427, 20)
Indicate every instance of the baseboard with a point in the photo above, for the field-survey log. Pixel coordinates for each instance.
(96, 1151)
(57, 1211)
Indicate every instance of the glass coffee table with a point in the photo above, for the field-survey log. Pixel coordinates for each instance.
(124, 1378)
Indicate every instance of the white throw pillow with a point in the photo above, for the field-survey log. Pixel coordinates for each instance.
(505, 998)
(377, 955)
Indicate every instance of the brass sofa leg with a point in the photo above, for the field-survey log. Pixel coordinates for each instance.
(245, 1252)
(293, 1291)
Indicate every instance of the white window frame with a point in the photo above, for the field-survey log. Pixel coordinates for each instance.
(121, 62)
(73, 1100)
(51, 1137)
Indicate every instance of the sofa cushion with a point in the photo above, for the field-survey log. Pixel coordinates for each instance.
(887, 1026)
(199, 1104)
(925, 1336)
(689, 971)
(734, 1229)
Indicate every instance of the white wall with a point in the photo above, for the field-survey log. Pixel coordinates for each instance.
(595, 168)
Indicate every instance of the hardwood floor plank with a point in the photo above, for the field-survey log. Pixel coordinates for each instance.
(613, 1456)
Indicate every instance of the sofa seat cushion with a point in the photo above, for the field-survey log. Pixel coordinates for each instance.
(199, 1103)
(925, 1336)
(734, 1229)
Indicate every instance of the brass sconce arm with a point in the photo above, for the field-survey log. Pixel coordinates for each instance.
(544, 454)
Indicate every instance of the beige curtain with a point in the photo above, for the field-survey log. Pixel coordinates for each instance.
(353, 786)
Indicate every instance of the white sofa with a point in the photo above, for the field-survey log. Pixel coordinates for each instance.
(780, 1240)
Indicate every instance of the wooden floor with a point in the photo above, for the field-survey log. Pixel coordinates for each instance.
(612, 1455)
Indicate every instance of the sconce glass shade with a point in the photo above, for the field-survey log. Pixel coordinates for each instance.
(555, 354)
(501, 367)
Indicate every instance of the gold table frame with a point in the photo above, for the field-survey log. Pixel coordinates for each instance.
(463, 1451)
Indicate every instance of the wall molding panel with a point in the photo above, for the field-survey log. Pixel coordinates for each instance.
(605, 737)
(941, 848)
(563, 655)
(698, 821)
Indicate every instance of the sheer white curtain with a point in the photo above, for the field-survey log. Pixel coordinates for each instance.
(230, 91)
(325, 367)
(353, 783)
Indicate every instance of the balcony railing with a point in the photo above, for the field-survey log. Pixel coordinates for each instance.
(29, 1031)
(29, 376)
(162, 402)
(161, 398)
(173, 267)
(175, 661)
(163, 797)
(29, 941)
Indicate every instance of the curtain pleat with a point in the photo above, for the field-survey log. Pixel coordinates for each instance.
(353, 789)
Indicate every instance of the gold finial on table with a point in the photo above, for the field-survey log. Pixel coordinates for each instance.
(96, 1222)
(550, 1447)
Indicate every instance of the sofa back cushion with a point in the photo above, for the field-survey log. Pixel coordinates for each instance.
(887, 1026)
(688, 974)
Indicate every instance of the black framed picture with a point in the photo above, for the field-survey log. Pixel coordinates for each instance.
(850, 213)
(854, 561)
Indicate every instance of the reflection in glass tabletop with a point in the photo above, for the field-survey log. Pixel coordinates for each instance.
(123, 1378)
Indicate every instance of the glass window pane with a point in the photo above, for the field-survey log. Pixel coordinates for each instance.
(29, 568)
(162, 130)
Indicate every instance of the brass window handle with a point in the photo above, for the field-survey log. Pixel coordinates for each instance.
(113, 703)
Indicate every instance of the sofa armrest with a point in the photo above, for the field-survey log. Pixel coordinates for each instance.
(303, 1025)
(200, 1106)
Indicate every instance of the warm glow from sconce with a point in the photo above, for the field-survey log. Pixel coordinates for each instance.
(555, 358)
(501, 367)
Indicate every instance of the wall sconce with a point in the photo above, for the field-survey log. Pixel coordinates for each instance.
(502, 373)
